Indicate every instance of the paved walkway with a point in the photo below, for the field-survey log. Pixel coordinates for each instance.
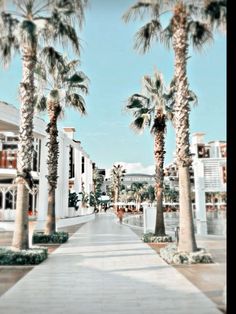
(105, 268)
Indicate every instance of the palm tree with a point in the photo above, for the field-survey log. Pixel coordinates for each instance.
(187, 23)
(97, 183)
(152, 110)
(23, 26)
(59, 85)
(150, 194)
(138, 190)
(117, 173)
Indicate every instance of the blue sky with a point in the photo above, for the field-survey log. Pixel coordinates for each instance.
(115, 72)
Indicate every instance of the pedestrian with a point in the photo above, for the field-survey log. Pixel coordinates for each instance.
(120, 214)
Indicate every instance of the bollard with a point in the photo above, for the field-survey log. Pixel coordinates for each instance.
(177, 234)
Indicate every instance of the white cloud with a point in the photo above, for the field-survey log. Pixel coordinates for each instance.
(134, 167)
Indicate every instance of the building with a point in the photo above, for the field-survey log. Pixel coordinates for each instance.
(210, 171)
(207, 177)
(75, 168)
(130, 178)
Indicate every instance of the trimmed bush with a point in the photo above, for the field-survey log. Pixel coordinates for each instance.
(151, 237)
(172, 256)
(24, 257)
(56, 237)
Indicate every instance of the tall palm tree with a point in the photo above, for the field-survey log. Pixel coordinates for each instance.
(23, 26)
(187, 23)
(59, 86)
(152, 110)
(117, 173)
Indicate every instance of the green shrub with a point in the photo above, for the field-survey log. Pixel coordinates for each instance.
(73, 200)
(24, 257)
(56, 237)
(151, 237)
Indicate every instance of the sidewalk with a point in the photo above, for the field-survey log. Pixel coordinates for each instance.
(209, 278)
(105, 268)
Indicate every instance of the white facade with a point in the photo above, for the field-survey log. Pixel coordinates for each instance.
(69, 167)
(209, 164)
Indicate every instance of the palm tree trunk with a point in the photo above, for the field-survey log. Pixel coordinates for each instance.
(20, 237)
(25, 150)
(159, 159)
(116, 197)
(187, 241)
(53, 153)
(51, 217)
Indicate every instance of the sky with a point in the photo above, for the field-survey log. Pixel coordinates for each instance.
(115, 70)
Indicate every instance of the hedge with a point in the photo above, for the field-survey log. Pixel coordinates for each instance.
(24, 257)
(56, 237)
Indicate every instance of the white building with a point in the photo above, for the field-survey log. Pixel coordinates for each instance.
(207, 178)
(209, 165)
(130, 178)
(75, 167)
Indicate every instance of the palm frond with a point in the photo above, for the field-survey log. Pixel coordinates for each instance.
(140, 123)
(194, 8)
(192, 97)
(7, 49)
(166, 35)
(200, 34)
(51, 58)
(71, 66)
(169, 112)
(83, 88)
(7, 23)
(158, 82)
(147, 83)
(40, 71)
(148, 33)
(137, 10)
(8, 41)
(78, 77)
(159, 124)
(28, 5)
(155, 9)
(136, 101)
(41, 79)
(41, 104)
(67, 32)
(59, 29)
(78, 81)
(68, 8)
(28, 34)
(77, 102)
(216, 12)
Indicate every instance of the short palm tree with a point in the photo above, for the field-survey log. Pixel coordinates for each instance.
(151, 110)
(97, 183)
(138, 190)
(117, 173)
(188, 22)
(59, 86)
(23, 26)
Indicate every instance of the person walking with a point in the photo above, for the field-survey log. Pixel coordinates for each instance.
(120, 214)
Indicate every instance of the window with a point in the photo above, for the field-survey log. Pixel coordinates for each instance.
(82, 164)
(223, 151)
(224, 174)
(203, 151)
(71, 165)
